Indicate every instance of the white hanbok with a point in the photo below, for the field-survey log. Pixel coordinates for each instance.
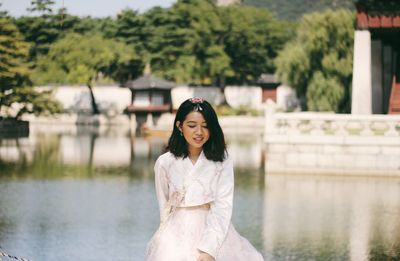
(195, 204)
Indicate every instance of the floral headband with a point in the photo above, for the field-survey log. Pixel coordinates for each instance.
(196, 101)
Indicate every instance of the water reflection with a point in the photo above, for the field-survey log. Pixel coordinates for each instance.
(85, 147)
(332, 218)
(88, 193)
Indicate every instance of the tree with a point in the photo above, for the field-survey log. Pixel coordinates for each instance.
(83, 59)
(294, 9)
(252, 39)
(2, 12)
(15, 84)
(13, 53)
(318, 62)
(130, 29)
(232, 44)
(183, 43)
(42, 31)
(41, 6)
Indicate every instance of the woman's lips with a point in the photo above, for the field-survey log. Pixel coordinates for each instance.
(198, 140)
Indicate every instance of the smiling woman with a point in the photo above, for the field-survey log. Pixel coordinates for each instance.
(194, 185)
(195, 131)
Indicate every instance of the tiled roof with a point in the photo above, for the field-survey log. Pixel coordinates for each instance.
(149, 81)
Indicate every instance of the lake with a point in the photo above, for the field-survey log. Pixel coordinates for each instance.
(69, 193)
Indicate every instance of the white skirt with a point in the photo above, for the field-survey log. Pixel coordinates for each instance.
(176, 240)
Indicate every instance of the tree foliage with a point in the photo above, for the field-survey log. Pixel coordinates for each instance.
(41, 6)
(193, 42)
(318, 62)
(14, 70)
(78, 59)
(82, 59)
(199, 43)
(294, 9)
(252, 39)
(16, 94)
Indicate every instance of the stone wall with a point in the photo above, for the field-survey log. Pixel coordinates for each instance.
(331, 143)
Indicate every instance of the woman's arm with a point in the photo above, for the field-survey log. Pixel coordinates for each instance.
(219, 216)
(161, 183)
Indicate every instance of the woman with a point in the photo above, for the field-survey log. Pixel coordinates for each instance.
(194, 184)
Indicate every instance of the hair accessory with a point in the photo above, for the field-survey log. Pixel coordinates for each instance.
(196, 101)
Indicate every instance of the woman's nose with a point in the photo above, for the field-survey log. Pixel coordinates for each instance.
(198, 130)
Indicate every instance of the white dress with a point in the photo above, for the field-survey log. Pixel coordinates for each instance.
(195, 204)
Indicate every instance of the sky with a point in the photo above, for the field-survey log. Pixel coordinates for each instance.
(94, 8)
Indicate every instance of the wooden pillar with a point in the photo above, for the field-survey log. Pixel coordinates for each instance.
(377, 67)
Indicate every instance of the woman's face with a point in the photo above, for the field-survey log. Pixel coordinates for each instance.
(195, 130)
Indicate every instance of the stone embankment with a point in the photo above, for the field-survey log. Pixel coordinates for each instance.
(332, 143)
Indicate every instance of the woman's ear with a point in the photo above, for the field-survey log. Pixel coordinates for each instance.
(178, 125)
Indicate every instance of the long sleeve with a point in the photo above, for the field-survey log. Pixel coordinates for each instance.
(219, 216)
(161, 184)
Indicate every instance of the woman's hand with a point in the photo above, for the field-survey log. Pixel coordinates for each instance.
(205, 257)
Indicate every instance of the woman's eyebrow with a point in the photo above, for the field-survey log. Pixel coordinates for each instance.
(196, 122)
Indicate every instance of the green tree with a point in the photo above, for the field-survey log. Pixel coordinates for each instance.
(200, 39)
(227, 45)
(84, 59)
(130, 27)
(318, 62)
(15, 84)
(42, 31)
(184, 43)
(294, 9)
(252, 39)
(164, 45)
(3, 13)
(14, 72)
(41, 6)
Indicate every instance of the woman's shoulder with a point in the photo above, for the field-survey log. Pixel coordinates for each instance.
(165, 158)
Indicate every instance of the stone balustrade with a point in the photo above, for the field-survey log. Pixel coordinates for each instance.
(330, 127)
(332, 143)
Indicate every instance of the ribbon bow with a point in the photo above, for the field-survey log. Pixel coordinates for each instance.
(196, 101)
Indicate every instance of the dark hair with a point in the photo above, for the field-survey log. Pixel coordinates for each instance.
(215, 148)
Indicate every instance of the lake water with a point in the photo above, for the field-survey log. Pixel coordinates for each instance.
(69, 193)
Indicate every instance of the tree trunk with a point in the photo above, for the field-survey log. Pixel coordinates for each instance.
(1, 100)
(221, 83)
(94, 104)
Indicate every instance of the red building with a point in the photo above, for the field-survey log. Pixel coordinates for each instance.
(376, 68)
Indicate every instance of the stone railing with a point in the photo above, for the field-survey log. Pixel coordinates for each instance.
(330, 126)
(332, 143)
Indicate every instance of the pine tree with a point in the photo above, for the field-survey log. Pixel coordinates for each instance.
(14, 50)
(15, 83)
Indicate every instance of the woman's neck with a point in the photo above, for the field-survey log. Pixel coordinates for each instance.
(194, 154)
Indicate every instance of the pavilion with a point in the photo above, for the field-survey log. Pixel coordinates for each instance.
(268, 84)
(376, 64)
(151, 96)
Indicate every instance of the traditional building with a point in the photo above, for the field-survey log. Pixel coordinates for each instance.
(376, 66)
(268, 84)
(151, 96)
